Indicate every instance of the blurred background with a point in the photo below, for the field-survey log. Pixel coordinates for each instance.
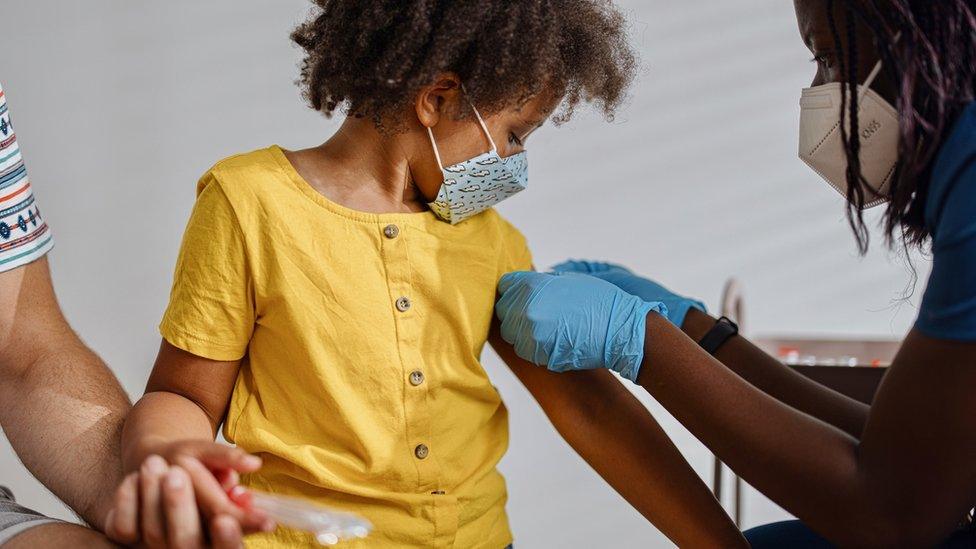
(120, 106)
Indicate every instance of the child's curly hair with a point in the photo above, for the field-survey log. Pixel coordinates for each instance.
(369, 57)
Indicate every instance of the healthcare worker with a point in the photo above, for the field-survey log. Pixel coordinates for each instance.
(901, 472)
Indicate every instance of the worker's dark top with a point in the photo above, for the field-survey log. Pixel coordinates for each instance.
(949, 307)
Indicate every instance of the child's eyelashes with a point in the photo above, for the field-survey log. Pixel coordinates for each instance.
(514, 139)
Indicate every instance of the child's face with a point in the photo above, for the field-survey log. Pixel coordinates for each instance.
(462, 139)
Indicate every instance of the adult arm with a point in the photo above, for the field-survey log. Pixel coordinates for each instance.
(772, 377)
(60, 406)
(908, 481)
(738, 354)
(619, 438)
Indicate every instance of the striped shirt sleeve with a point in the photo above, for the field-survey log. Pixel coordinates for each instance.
(24, 236)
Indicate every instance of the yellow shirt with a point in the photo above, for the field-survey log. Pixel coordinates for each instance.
(360, 384)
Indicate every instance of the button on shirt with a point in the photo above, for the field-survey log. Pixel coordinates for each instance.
(416, 378)
(24, 236)
(361, 385)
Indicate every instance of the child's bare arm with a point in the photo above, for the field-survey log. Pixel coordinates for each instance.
(174, 424)
(186, 398)
(610, 429)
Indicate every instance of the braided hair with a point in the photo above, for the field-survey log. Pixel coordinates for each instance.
(370, 57)
(929, 48)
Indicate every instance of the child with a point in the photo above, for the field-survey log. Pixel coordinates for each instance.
(330, 305)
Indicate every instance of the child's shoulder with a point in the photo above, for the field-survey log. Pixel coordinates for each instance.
(244, 172)
(512, 241)
(506, 231)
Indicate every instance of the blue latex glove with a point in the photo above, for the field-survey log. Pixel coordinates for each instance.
(573, 322)
(646, 289)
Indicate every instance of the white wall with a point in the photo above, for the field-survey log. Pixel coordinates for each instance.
(121, 105)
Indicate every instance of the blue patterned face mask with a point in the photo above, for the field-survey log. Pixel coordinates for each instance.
(472, 186)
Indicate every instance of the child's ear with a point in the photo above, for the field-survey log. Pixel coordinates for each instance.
(435, 100)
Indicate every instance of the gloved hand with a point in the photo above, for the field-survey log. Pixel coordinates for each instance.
(568, 321)
(646, 289)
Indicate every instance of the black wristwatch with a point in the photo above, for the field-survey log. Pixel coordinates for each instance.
(721, 332)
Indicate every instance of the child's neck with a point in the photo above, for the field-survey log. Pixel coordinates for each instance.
(361, 169)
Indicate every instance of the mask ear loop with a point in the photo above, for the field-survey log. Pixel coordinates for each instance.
(868, 81)
(481, 122)
(874, 73)
(437, 154)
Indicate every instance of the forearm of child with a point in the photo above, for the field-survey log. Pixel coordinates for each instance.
(186, 399)
(159, 419)
(173, 427)
(610, 429)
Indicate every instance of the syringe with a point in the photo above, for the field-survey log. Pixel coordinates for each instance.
(328, 525)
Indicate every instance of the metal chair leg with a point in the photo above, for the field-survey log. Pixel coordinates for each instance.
(738, 501)
(717, 480)
(732, 307)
